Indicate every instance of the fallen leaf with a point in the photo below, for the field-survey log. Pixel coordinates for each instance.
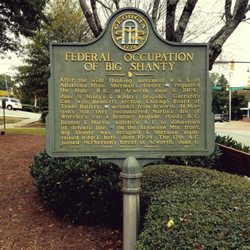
(170, 224)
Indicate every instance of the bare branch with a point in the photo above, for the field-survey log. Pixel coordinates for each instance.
(147, 8)
(117, 4)
(248, 8)
(155, 11)
(89, 17)
(217, 41)
(104, 5)
(162, 11)
(106, 13)
(84, 34)
(184, 19)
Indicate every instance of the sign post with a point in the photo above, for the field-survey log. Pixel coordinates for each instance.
(130, 95)
(4, 107)
(131, 188)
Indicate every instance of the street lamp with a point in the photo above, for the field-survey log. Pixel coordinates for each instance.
(231, 70)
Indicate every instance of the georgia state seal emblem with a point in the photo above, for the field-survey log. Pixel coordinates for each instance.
(129, 31)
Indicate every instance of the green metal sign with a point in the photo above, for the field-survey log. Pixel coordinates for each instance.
(236, 88)
(129, 93)
(216, 87)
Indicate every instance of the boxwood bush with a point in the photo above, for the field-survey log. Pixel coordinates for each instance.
(30, 108)
(209, 161)
(230, 142)
(79, 189)
(43, 116)
(194, 208)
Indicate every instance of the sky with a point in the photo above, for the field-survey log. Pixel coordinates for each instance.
(236, 48)
(8, 63)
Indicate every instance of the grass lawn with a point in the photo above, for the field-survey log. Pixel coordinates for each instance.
(26, 131)
(36, 128)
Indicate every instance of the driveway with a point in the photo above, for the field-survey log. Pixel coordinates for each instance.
(29, 117)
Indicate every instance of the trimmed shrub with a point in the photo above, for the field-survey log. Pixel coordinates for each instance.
(230, 142)
(207, 161)
(194, 208)
(201, 161)
(79, 189)
(43, 116)
(30, 108)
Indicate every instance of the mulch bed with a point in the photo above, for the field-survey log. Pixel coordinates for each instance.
(24, 221)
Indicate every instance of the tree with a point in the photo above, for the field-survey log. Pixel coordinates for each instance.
(10, 83)
(2, 82)
(238, 101)
(220, 98)
(234, 13)
(220, 101)
(33, 76)
(19, 18)
(65, 24)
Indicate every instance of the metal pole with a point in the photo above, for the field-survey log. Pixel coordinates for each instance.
(4, 122)
(131, 187)
(6, 85)
(230, 98)
(232, 61)
(230, 105)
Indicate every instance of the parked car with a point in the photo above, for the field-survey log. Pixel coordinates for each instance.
(225, 117)
(221, 117)
(11, 103)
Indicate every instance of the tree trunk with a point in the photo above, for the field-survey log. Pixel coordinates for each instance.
(90, 18)
(170, 20)
(184, 19)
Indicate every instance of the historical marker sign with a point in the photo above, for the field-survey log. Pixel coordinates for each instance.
(129, 93)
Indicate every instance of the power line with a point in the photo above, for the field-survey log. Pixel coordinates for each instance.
(232, 61)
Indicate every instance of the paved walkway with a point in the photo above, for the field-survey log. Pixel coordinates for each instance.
(233, 125)
(28, 118)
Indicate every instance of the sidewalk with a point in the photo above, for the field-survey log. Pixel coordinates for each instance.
(27, 118)
(233, 125)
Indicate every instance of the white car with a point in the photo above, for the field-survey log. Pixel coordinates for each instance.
(11, 103)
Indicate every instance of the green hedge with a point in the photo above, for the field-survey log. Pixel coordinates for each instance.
(30, 108)
(209, 161)
(79, 189)
(230, 142)
(209, 209)
(43, 116)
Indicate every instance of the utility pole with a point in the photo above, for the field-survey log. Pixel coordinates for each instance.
(230, 91)
(6, 85)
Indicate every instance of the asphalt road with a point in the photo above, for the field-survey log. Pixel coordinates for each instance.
(238, 130)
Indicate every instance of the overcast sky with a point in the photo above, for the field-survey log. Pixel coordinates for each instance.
(237, 48)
